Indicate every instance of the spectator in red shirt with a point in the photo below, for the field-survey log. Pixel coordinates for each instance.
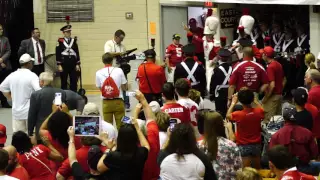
(14, 169)
(3, 135)
(248, 132)
(299, 140)
(35, 159)
(282, 164)
(312, 81)
(248, 74)
(272, 99)
(197, 35)
(151, 77)
(173, 56)
(4, 158)
(171, 107)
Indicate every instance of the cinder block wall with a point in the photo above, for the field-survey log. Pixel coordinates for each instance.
(109, 15)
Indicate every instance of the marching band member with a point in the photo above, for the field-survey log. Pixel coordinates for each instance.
(301, 50)
(210, 46)
(68, 59)
(220, 82)
(277, 37)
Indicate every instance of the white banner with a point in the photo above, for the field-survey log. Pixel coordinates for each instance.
(291, 2)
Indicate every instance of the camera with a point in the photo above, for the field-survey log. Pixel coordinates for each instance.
(124, 60)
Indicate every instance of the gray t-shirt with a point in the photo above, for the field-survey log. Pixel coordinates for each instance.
(74, 101)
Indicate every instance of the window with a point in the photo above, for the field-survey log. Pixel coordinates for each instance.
(78, 10)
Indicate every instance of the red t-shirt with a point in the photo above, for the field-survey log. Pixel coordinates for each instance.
(20, 173)
(294, 174)
(313, 98)
(156, 77)
(275, 73)
(176, 110)
(197, 40)
(315, 117)
(151, 169)
(248, 125)
(248, 74)
(174, 53)
(82, 157)
(35, 169)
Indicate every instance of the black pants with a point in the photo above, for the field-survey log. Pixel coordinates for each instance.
(3, 74)
(38, 69)
(221, 106)
(69, 71)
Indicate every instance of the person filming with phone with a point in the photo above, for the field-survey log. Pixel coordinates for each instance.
(151, 78)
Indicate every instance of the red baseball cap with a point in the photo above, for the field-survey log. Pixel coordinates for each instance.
(268, 51)
(3, 134)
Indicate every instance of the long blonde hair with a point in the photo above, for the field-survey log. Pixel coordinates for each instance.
(309, 60)
(248, 173)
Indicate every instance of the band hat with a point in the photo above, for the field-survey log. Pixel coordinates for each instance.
(245, 42)
(66, 28)
(25, 58)
(189, 48)
(224, 53)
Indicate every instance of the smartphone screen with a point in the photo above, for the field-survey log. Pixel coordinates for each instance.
(126, 120)
(87, 125)
(57, 99)
(172, 123)
(130, 93)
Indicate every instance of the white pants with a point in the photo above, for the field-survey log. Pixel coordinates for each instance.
(170, 76)
(19, 125)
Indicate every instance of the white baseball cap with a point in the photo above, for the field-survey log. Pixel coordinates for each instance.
(25, 58)
(155, 106)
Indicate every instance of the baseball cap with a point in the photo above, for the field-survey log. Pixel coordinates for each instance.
(176, 36)
(94, 155)
(268, 51)
(300, 95)
(155, 106)
(192, 20)
(289, 112)
(25, 58)
(150, 53)
(189, 48)
(245, 42)
(3, 134)
(90, 108)
(224, 53)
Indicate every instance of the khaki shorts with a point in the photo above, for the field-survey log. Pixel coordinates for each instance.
(272, 107)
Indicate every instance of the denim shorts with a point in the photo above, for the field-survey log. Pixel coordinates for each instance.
(250, 150)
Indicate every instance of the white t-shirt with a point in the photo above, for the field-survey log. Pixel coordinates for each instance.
(112, 47)
(112, 131)
(6, 177)
(163, 136)
(21, 83)
(116, 74)
(188, 168)
(193, 108)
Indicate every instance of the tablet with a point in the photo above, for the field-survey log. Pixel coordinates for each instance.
(87, 125)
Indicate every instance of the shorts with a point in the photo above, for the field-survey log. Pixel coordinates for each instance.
(250, 150)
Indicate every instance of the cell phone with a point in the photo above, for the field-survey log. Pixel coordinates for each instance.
(57, 99)
(172, 123)
(87, 125)
(126, 120)
(130, 93)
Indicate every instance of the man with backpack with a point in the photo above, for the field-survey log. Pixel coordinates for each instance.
(112, 82)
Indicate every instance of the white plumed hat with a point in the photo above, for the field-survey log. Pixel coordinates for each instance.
(246, 22)
(211, 24)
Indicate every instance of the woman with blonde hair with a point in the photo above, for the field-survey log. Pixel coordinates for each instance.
(223, 153)
(309, 60)
(248, 174)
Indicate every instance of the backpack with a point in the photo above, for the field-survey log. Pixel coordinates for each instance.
(109, 88)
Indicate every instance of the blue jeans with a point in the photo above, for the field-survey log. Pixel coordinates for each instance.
(126, 99)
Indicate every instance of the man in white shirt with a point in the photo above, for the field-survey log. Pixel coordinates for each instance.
(112, 107)
(36, 48)
(116, 48)
(4, 161)
(182, 88)
(19, 86)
